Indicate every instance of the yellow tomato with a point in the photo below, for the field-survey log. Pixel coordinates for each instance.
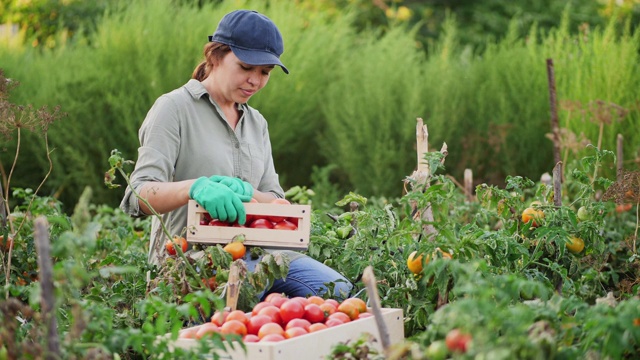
(575, 245)
(414, 262)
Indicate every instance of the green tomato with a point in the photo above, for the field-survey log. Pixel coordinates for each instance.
(583, 214)
(437, 350)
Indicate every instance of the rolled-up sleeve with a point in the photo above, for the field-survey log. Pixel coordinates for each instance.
(159, 147)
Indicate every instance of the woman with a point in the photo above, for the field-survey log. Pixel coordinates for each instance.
(203, 141)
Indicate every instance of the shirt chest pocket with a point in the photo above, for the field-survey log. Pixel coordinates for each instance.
(252, 163)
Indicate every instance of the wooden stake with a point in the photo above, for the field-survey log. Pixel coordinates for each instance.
(619, 157)
(233, 286)
(369, 280)
(420, 178)
(468, 184)
(557, 184)
(47, 299)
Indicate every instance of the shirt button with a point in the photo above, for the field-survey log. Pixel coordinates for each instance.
(237, 146)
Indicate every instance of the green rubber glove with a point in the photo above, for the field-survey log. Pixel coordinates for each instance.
(242, 188)
(219, 200)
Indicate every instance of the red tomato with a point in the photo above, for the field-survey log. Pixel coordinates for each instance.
(365, 315)
(293, 220)
(333, 322)
(274, 218)
(273, 312)
(456, 340)
(314, 313)
(216, 222)
(272, 296)
(340, 316)
(176, 241)
(256, 322)
(285, 225)
(302, 300)
(259, 306)
(278, 301)
(303, 323)
(291, 309)
(261, 224)
(219, 317)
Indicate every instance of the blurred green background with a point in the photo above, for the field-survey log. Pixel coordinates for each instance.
(361, 73)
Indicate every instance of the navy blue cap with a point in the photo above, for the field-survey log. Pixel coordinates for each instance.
(252, 37)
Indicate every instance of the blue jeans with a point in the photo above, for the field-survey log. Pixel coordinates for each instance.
(306, 277)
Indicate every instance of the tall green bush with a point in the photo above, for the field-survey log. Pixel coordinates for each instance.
(351, 100)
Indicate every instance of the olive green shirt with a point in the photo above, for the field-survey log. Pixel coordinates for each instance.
(185, 136)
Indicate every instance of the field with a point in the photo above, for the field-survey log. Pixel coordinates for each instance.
(561, 283)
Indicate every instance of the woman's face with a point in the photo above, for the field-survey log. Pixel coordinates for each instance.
(236, 81)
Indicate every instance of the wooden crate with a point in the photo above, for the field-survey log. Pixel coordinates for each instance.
(315, 345)
(269, 238)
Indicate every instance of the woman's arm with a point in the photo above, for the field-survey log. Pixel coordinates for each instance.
(164, 196)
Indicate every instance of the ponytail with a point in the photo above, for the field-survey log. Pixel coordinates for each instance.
(214, 52)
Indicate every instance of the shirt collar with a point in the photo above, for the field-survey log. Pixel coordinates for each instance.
(197, 90)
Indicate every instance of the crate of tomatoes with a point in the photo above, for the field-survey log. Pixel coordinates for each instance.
(289, 328)
(278, 224)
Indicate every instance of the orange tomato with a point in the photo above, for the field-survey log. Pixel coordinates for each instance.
(532, 215)
(327, 308)
(314, 299)
(236, 249)
(188, 333)
(207, 329)
(8, 245)
(360, 305)
(238, 315)
(270, 329)
(234, 327)
(317, 327)
(294, 331)
(349, 309)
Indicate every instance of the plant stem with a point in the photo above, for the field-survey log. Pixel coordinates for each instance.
(162, 224)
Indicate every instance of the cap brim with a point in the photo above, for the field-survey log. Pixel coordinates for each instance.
(253, 57)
